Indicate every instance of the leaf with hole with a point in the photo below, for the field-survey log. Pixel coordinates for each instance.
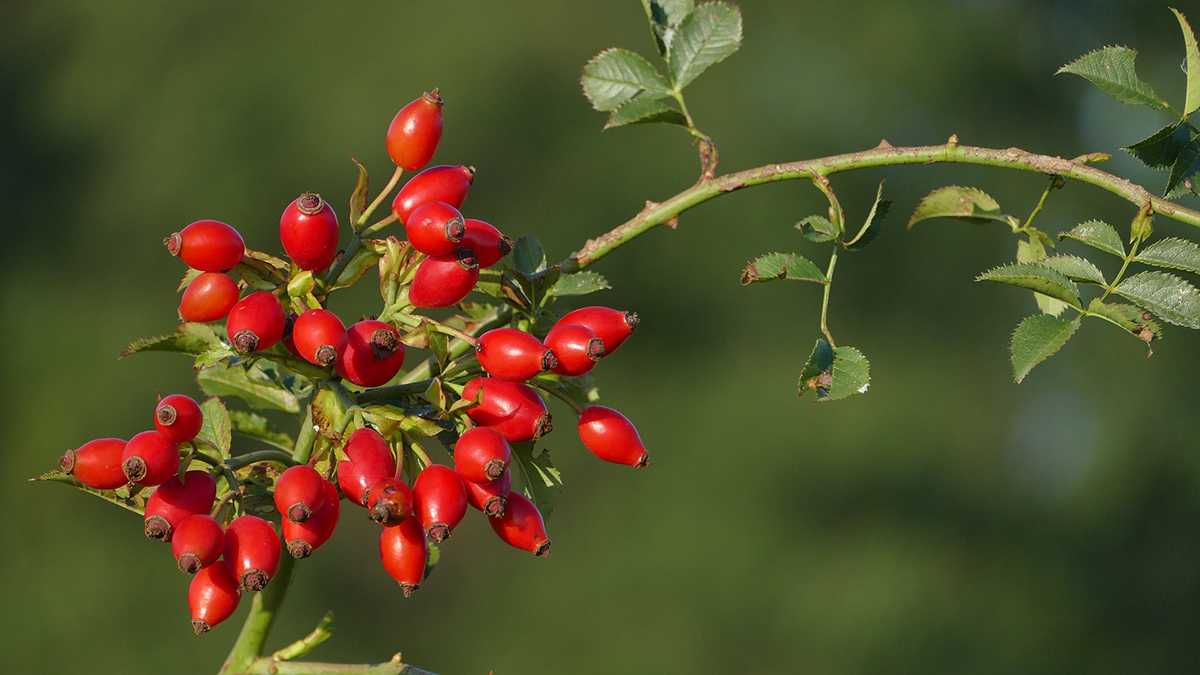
(664, 17)
(616, 75)
(709, 35)
(1165, 295)
(815, 375)
(774, 266)
(1097, 234)
(963, 203)
(1036, 339)
(1130, 317)
(1036, 277)
(817, 229)
(1113, 70)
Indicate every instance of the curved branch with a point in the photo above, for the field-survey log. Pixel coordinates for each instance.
(270, 666)
(656, 214)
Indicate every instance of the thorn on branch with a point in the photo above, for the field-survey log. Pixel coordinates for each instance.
(708, 159)
(952, 141)
(883, 144)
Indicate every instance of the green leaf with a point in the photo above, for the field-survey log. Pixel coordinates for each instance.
(214, 356)
(364, 260)
(850, 373)
(1076, 268)
(252, 386)
(964, 203)
(188, 338)
(1112, 69)
(709, 35)
(1034, 250)
(528, 258)
(543, 481)
(1166, 295)
(664, 17)
(815, 375)
(253, 425)
(216, 432)
(1172, 253)
(358, 198)
(579, 283)
(870, 227)
(645, 110)
(1097, 234)
(616, 75)
(1036, 339)
(1193, 64)
(774, 266)
(1186, 166)
(1160, 150)
(188, 277)
(817, 229)
(136, 503)
(1130, 317)
(1036, 277)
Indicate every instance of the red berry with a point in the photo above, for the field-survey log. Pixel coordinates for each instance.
(372, 355)
(150, 458)
(511, 408)
(209, 297)
(487, 243)
(442, 282)
(439, 500)
(448, 184)
(413, 135)
(612, 326)
(197, 542)
(252, 548)
(96, 464)
(255, 323)
(522, 526)
(299, 493)
(212, 596)
(511, 354)
(490, 497)
(402, 550)
(611, 436)
(304, 538)
(178, 418)
(370, 461)
(175, 500)
(481, 455)
(576, 347)
(308, 229)
(389, 501)
(435, 228)
(318, 335)
(207, 245)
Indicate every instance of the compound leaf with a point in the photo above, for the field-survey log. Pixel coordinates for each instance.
(1036, 339)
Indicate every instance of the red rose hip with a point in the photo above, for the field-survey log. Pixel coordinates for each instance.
(175, 500)
(369, 461)
(522, 526)
(435, 228)
(487, 243)
(207, 245)
(490, 497)
(611, 436)
(576, 347)
(413, 135)
(197, 542)
(255, 323)
(252, 550)
(444, 281)
(402, 550)
(318, 336)
(511, 408)
(150, 458)
(511, 354)
(304, 538)
(448, 184)
(439, 500)
(212, 596)
(209, 297)
(612, 326)
(308, 229)
(389, 501)
(96, 464)
(372, 355)
(178, 417)
(481, 455)
(299, 493)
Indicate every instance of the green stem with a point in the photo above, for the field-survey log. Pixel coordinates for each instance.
(1055, 183)
(884, 155)
(457, 348)
(305, 438)
(558, 395)
(387, 189)
(306, 644)
(1133, 249)
(277, 456)
(833, 256)
(263, 607)
(269, 666)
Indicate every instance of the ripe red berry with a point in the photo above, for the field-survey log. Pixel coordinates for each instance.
(402, 550)
(511, 354)
(318, 335)
(511, 408)
(369, 461)
(197, 542)
(487, 243)
(178, 418)
(308, 229)
(576, 347)
(209, 297)
(299, 493)
(522, 526)
(435, 228)
(304, 538)
(481, 455)
(96, 464)
(389, 501)
(255, 323)
(212, 596)
(207, 245)
(372, 355)
(448, 184)
(611, 436)
(439, 500)
(252, 549)
(150, 458)
(444, 281)
(175, 500)
(413, 135)
(612, 326)
(490, 497)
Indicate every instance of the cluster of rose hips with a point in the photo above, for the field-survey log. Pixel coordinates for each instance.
(243, 554)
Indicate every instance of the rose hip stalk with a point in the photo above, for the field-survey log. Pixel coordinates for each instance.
(252, 550)
(150, 458)
(370, 461)
(611, 437)
(402, 550)
(212, 596)
(448, 184)
(511, 354)
(308, 229)
(207, 245)
(175, 500)
(178, 417)
(612, 326)
(413, 135)
(304, 538)
(197, 542)
(481, 455)
(490, 497)
(96, 464)
(255, 323)
(439, 500)
(576, 347)
(318, 335)
(209, 297)
(522, 526)
(299, 493)
(372, 355)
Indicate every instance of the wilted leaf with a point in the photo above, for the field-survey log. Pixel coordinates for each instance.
(774, 266)
(1193, 64)
(815, 375)
(1097, 234)
(579, 283)
(188, 338)
(1130, 317)
(358, 198)
(1165, 295)
(253, 387)
(1036, 277)
(645, 109)
(818, 229)
(616, 75)
(1113, 70)
(709, 35)
(964, 203)
(1036, 339)
(870, 227)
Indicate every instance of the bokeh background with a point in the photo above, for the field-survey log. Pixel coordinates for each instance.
(949, 522)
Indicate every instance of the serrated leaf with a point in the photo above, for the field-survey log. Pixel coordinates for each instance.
(709, 35)
(216, 431)
(188, 277)
(1161, 149)
(1036, 277)
(213, 357)
(1185, 168)
(815, 375)
(542, 480)
(1130, 317)
(1113, 70)
(1193, 64)
(963, 203)
(136, 504)
(1165, 295)
(1097, 234)
(773, 266)
(817, 229)
(616, 75)
(579, 283)
(1036, 339)
(358, 198)
(870, 228)
(528, 258)
(251, 386)
(645, 109)
(253, 425)
(188, 338)
(664, 17)
(1076, 268)
(1034, 250)
(363, 261)
(850, 373)
(1172, 253)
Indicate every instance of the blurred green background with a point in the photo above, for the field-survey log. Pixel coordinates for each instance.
(948, 522)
